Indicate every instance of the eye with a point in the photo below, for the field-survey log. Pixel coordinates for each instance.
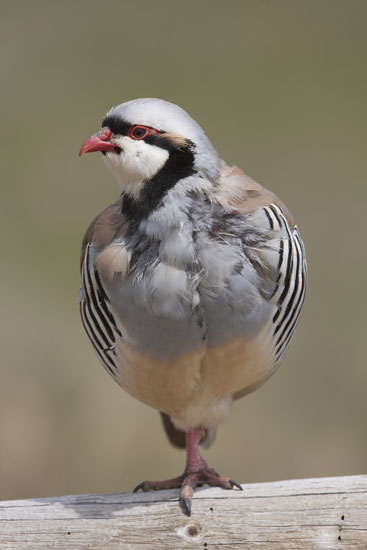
(140, 132)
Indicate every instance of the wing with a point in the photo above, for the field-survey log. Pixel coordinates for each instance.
(279, 259)
(95, 310)
(291, 276)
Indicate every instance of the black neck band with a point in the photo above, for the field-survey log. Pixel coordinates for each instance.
(180, 164)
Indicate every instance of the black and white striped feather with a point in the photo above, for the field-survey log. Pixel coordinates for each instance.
(290, 289)
(97, 319)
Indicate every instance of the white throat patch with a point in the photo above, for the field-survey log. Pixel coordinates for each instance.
(137, 163)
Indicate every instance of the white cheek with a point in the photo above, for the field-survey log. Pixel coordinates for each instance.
(137, 163)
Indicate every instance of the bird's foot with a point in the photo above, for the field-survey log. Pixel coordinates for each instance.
(187, 482)
(173, 483)
(202, 476)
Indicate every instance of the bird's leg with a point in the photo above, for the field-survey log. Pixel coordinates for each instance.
(193, 459)
(196, 473)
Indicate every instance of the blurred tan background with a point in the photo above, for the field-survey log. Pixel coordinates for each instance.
(280, 87)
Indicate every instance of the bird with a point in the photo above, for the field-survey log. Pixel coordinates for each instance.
(193, 281)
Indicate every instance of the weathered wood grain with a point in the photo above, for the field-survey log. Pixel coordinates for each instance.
(325, 514)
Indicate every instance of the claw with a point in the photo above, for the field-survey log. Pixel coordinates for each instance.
(186, 505)
(140, 486)
(197, 475)
(235, 484)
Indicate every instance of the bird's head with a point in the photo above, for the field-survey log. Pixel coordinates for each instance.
(145, 138)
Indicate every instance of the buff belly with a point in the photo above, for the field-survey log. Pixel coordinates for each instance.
(197, 389)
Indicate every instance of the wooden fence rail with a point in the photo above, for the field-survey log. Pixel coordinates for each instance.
(307, 514)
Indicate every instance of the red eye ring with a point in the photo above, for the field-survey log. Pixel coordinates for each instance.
(141, 132)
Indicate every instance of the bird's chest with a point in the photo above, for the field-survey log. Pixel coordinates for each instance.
(155, 297)
(181, 288)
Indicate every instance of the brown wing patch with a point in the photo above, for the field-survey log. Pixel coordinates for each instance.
(239, 193)
(104, 228)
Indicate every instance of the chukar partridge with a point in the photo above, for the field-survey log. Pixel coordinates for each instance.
(192, 281)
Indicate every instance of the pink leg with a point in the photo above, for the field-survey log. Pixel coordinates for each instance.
(196, 473)
(193, 458)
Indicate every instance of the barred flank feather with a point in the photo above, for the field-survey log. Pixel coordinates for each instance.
(97, 318)
(291, 285)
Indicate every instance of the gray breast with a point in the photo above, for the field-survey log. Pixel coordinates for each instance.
(193, 280)
(233, 277)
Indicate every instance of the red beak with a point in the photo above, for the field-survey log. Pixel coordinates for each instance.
(98, 142)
